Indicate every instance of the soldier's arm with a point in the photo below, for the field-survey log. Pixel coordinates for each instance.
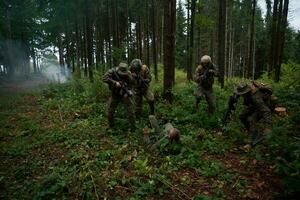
(215, 70)
(198, 74)
(147, 78)
(108, 77)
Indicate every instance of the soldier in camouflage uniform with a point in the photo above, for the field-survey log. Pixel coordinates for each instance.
(204, 77)
(142, 77)
(120, 82)
(256, 116)
(165, 138)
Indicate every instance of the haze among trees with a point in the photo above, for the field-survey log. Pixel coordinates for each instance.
(82, 39)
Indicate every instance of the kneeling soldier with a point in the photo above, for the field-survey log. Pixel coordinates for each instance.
(120, 81)
(142, 77)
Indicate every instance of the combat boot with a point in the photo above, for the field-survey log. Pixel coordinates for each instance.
(197, 103)
(256, 139)
(151, 105)
(110, 120)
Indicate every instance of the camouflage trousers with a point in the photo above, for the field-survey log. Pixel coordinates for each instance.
(209, 95)
(148, 95)
(113, 104)
(256, 122)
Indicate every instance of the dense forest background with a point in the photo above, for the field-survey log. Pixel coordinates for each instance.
(89, 35)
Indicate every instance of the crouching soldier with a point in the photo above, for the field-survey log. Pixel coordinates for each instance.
(204, 77)
(259, 103)
(142, 77)
(119, 80)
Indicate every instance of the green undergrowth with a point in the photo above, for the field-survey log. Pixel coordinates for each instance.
(55, 145)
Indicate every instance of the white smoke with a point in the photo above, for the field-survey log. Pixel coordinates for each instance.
(53, 71)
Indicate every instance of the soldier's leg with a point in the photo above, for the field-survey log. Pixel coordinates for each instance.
(211, 101)
(244, 118)
(261, 127)
(138, 104)
(198, 93)
(113, 103)
(256, 135)
(150, 99)
(266, 121)
(130, 110)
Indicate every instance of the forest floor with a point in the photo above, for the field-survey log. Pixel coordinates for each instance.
(55, 144)
(19, 85)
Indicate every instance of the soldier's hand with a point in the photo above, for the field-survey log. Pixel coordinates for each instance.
(117, 84)
(130, 93)
(133, 74)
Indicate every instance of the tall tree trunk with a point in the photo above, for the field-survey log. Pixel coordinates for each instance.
(252, 38)
(154, 54)
(148, 36)
(78, 55)
(33, 54)
(108, 37)
(283, 25)
(188, 64)
(61, 54)
(273, 38)
(84, 48)
(169, 47)
(222, 40)
(139, 39)
(98, 37)
(277, 38)
(161, 39)
(128, 33)
(9, 59)
(191, 52)
(89, 40)
(115, 33)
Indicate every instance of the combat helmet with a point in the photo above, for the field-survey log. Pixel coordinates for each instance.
(136, 64)
(242, 88)
(174, 135)
(205, 59)
(122, 69)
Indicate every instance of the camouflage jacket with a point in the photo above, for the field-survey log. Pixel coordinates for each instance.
(255, 101)
(112, 76)
(205, 78)
(142, 78)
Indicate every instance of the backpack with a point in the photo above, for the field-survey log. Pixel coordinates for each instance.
(269, 98)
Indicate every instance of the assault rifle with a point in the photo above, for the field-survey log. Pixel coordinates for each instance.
(206, 73)
(231, 107)
(141, 81)
(124, 90)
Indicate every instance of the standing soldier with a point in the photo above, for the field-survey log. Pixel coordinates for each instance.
(119, 80)
(259, 102)
(204, 77)
(142, 77)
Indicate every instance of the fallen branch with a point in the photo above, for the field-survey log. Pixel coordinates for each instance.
(61, 119)
(174, 188)
(96, 193)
